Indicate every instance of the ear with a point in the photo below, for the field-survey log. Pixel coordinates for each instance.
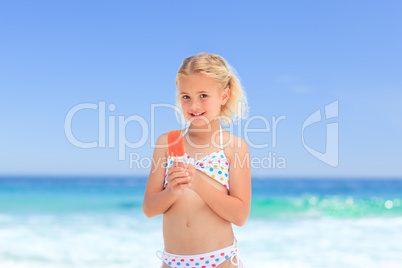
(225, 96)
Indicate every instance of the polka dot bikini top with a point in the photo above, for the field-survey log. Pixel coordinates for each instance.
(215, 164)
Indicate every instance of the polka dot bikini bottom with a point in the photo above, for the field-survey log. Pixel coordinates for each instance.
(206, 260)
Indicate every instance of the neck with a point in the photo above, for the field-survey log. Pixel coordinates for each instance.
(204, 132)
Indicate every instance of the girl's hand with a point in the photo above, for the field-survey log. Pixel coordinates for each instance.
(194, 176)
(178, 178)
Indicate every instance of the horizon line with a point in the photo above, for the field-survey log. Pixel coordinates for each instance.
(256, 177)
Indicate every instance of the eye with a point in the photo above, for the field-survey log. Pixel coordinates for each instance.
(205, 95)
(185, 97)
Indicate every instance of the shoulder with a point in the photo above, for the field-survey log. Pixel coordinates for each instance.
(163, 139)
(234, 146)
(161, 145)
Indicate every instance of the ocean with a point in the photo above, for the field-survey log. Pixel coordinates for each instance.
(65, 222)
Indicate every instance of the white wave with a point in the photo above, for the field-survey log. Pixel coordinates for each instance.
(129, 240)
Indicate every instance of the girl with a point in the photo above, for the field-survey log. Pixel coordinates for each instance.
(209, 188)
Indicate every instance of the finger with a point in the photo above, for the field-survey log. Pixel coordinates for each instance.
(184, 165)
(184, 185)
(174, 161)
(177, 175)
(188, 165)
(179, 181)
(175, 169)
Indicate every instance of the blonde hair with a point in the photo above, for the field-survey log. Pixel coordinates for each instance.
(217, 68)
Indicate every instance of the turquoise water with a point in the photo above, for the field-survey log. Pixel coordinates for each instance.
(88, 222)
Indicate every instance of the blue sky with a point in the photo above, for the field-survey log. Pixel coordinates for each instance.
(293, 58)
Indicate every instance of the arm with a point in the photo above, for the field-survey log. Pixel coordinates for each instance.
(235, 207)
(156, 199)
(157, 203)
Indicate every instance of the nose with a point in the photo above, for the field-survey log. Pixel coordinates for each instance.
(194, 105)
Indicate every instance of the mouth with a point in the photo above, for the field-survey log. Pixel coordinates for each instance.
(195, 115)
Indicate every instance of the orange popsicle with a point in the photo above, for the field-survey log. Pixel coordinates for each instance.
(176, 143)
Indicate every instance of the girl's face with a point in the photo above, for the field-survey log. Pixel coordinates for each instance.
(201, 98)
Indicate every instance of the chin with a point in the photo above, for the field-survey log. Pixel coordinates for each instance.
(199, 122)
